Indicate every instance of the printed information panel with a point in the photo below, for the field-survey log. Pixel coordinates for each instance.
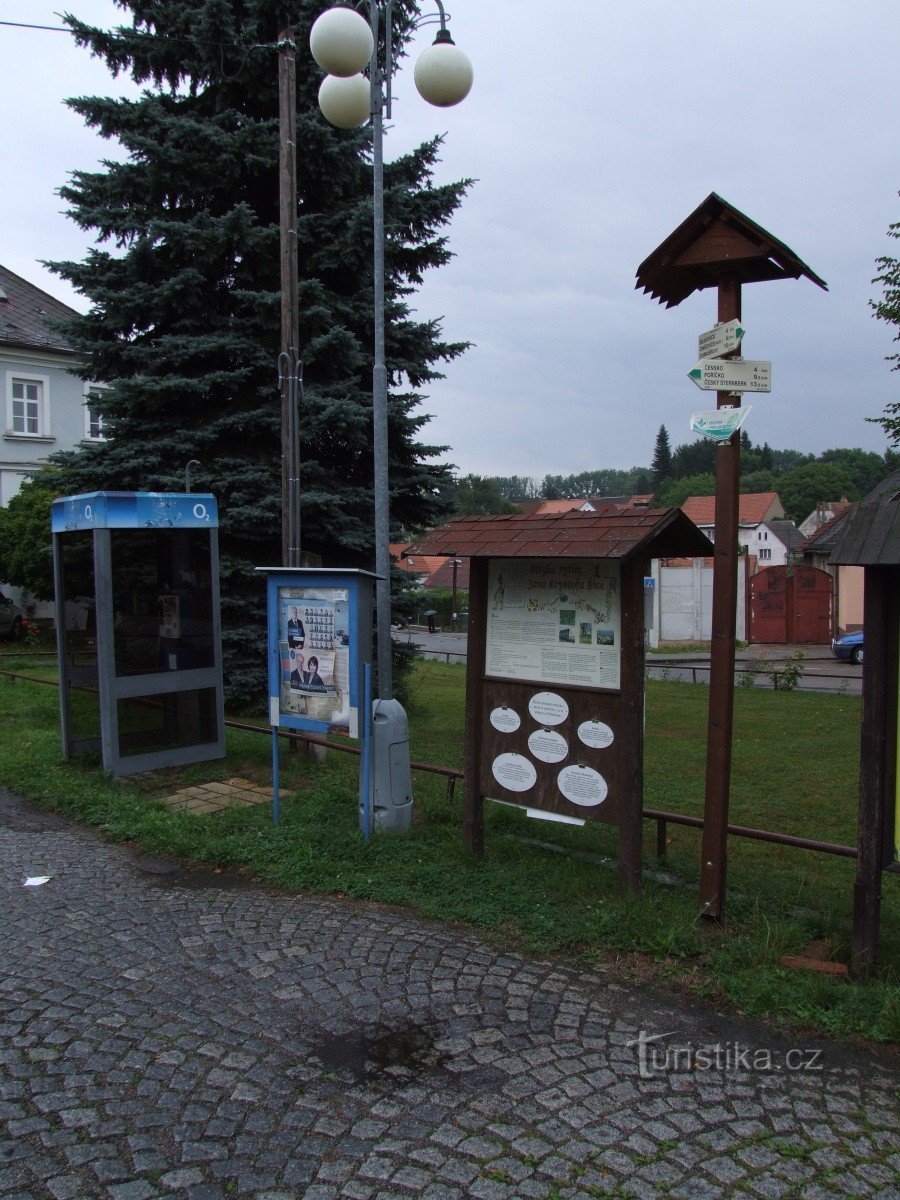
(314, 653)
(555, 753)
(555, 621)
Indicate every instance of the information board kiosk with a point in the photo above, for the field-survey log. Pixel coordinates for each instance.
(319, 623)
(555, 683)
(148, 691)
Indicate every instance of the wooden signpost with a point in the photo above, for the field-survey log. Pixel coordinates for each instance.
(555, 680)
(717, 246)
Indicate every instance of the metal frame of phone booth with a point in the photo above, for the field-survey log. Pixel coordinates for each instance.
(157, 669)
(303, 704)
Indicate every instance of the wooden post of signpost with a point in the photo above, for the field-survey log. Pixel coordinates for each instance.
(720, 722)
(717, 246)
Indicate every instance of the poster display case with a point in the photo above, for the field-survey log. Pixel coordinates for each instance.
(320, 662)
(320, 640)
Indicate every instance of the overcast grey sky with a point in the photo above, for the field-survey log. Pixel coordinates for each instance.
(593, 130)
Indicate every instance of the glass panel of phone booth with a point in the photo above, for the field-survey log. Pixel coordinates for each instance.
(162, 600)
(79, 647)
(167, 721)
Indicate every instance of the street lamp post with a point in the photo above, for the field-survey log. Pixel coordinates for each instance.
(342, 43)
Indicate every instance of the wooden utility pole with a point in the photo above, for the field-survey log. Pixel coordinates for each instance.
(290, 369)
(721, 672)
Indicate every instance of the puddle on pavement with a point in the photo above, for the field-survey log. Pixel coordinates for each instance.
(20, 817)
(365, 1055)
(170, 873)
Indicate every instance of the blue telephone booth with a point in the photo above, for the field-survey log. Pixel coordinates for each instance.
(148, 691)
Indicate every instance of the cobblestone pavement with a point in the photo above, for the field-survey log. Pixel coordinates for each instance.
(179, 1035)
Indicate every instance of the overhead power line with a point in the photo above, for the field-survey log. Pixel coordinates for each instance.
(139, 33)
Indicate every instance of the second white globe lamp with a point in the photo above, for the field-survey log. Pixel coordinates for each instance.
(346, 103)
(443, 74)
(341, 41)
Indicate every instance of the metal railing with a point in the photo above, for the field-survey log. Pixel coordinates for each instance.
(453, 775)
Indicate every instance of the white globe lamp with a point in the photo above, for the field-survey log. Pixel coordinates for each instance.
(443, 73)
(341, 42)
(346, 103)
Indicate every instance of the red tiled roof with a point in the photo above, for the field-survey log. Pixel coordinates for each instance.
(443, 576)
(611, 534)
(422, 564)
(753, 507)
(535, 508)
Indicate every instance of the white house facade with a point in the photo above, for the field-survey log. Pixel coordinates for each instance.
(45, 407)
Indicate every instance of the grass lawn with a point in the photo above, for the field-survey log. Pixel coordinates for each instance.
(545, 888)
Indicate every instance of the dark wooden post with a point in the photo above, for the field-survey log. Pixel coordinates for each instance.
(473, 801)
(631, 821)
(878, 705)
(721, 674)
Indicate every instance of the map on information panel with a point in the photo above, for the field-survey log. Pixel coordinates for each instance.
(554, 621)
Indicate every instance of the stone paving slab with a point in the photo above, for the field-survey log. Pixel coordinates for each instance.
(160, 1038)
(205, 799)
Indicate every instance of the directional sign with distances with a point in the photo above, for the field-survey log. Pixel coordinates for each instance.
(722, 340)
(732, 375)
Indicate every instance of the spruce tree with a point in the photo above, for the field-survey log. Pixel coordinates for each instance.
(661, 465)
(184, 291)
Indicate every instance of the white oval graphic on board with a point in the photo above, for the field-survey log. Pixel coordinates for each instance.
(595, 734)
(505, 719)
(582, 785)
(548, 708)
(548, 745)
(514, 772)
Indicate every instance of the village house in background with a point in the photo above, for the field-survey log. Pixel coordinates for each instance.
(763, 530)
(848, 579)
(824, 512)
(46, 408)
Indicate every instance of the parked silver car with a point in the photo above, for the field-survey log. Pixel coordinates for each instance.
(11, 617)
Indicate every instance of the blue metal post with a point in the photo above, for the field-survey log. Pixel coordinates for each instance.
(275, 804)
(365, 768)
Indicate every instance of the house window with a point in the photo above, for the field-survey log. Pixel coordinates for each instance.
(27, 407)
(93, 421)
(763, 554)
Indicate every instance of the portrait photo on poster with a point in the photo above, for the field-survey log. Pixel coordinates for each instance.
(314, 647)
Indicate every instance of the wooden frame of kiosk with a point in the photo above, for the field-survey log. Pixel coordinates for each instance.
(555, 682)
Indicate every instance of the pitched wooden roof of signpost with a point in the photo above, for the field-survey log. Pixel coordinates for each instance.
(717, 240)
(870, 532)
(657, 533)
